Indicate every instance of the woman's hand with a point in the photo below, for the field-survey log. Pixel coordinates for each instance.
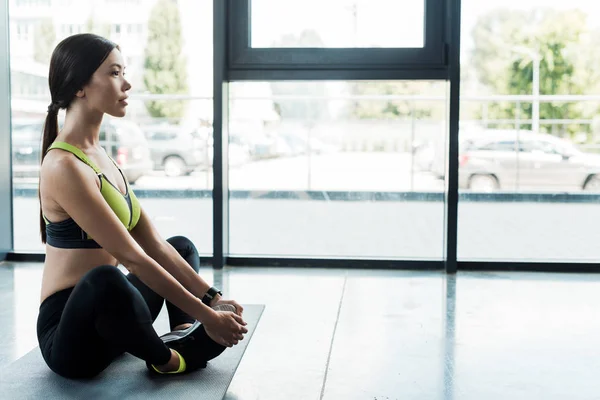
(238, 308)
(226, 328)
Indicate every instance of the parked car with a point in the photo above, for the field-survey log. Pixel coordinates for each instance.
(510, 160)
(178, 151)
(123, 141)
(299, 144)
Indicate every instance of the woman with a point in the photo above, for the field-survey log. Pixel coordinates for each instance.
(91, 221)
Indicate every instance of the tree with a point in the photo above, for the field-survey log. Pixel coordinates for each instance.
(493, 36)
(390, 109)
(502, 67)
(165, 67)
(43, 41)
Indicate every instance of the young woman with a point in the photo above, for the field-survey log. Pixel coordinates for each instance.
(91, 222)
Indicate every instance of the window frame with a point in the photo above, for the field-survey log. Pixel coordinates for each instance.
(248, 63)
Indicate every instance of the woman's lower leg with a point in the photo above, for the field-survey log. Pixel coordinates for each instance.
(172, 365)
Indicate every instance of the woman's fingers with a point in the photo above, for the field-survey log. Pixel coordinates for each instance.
(239, 319)
(239, 309)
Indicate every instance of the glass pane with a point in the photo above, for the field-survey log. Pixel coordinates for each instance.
(163, 145)
(337, 169)
(338, 23)
(536, 160)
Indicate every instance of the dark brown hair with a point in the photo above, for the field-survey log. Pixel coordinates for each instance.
(73, 62)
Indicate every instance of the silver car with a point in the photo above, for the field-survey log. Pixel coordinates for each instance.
(178, 151)
(511, 160)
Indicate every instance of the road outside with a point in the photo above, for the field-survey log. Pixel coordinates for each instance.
(336, 171)
(354, 229)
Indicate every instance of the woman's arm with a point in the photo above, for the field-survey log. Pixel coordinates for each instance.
(165, 255)
(74, 187)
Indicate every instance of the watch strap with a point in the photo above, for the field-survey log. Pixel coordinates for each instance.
(211, 293)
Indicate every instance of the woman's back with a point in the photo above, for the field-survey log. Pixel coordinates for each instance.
(64, 267)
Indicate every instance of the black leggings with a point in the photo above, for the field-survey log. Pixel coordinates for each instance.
(82, 329)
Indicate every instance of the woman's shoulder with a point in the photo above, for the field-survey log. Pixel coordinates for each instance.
(64, 165)
(56, 162)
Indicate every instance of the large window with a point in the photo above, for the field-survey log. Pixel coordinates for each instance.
(337, 119)
(164, 144)
(381, 35)
(336, 169)
(529, 162)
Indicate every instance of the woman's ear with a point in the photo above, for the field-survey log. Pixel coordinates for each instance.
(80, 93)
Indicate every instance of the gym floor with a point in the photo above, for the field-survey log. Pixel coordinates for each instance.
(357, 334)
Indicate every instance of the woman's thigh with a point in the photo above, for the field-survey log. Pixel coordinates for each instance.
(75, 349)
(101, 311)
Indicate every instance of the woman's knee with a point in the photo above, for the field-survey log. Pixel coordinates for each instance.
(184, 246)
(112, 291)
(103, 273)
(106, 278)
(181, 242)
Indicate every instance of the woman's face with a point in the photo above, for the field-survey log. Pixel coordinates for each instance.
(106, 90)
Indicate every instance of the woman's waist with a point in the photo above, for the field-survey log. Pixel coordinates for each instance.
(64, 268)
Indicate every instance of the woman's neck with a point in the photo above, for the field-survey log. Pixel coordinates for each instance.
(81, 130)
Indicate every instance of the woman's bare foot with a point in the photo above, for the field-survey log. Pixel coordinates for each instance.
(172, 365)
(182, 327)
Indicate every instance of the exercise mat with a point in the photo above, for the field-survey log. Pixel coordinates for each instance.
(127, 377)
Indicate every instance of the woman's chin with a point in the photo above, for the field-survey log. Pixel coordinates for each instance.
(118, 113)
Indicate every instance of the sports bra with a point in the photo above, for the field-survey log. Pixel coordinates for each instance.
(67, 234)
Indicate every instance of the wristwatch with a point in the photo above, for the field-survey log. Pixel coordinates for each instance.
(210, 295)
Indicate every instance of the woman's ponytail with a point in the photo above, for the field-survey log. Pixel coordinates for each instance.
(50, 133)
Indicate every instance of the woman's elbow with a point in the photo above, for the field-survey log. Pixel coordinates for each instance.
(133, 261)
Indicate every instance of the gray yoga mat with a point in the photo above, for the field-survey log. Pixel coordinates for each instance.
(127, 377)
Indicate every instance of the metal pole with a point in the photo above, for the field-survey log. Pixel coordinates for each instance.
(535, 59)
(486, 113)
(6, 182)
(518, 144)
(207, 159)
(536, 93)
(220, 137)
(309, 154)
(451, 220)
(412, 143)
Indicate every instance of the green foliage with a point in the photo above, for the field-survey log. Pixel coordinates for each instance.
(390, 109)
(501, 66)
(43, 41)
(165, 67)
(493, 35)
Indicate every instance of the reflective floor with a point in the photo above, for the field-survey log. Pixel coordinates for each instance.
(338, 334)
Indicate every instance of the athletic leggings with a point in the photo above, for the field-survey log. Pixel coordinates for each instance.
(82, 329)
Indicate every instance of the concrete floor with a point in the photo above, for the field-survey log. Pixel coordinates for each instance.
(355, 334)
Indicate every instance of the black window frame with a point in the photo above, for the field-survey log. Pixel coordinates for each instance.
(247, 63)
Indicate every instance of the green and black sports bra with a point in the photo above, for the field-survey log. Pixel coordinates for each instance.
(67, 234)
